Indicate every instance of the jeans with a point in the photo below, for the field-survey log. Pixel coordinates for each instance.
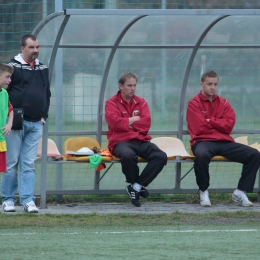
(22, 148)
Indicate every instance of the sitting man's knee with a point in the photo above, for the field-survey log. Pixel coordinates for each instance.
(255, 153)
(163, 156)
(160, 156)
(129, 156)
(203, 156)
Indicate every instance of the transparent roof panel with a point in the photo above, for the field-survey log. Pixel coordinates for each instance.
(48, 33)
(90, 29)
(235, 30)
(159, 30)
(161, 48)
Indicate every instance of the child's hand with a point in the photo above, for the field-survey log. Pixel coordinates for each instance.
(7, 129)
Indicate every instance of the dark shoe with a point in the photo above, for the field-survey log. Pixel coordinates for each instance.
(144, 193)
(134, 195)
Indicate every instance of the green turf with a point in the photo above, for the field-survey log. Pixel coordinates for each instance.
(158, 242)
(181, 236)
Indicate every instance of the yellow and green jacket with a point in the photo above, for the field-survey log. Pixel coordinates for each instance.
(3, 116)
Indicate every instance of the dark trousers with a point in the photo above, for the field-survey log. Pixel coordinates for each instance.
(249, 157)
(128, 153)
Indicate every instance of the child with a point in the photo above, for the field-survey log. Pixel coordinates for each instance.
(6, 111)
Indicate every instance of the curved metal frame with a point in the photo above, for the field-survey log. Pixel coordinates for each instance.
(105, 75)
(187, 72)
(45, 129)
(47, 19)
(183, 91)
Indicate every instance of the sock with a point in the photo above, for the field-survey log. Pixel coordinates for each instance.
(204, 192)
(237, 192)
(137, 186)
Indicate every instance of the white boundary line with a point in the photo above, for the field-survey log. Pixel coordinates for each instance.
(140, 231)
(178, 231)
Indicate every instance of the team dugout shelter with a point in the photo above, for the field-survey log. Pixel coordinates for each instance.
(87, 50)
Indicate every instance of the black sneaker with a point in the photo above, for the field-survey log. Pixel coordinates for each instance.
(144, 193)
(134, 195)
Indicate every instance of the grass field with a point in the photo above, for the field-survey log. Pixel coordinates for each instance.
(124, 236)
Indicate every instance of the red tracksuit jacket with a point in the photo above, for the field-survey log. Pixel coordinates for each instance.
(117, 118)
(219, 111)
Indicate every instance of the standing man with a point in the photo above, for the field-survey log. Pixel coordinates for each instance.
(210, 121)
(129, 120)
(30, 90)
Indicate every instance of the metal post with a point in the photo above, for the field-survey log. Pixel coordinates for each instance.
(58, 103)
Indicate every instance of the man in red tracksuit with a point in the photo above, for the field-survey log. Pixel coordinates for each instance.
(210, 121)
(129, 120)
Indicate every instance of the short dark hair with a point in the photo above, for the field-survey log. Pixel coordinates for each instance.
(6, 68)
(25, 37)
(126, 75)
(209, 74)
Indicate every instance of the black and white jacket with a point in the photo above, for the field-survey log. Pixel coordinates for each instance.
(30, 88)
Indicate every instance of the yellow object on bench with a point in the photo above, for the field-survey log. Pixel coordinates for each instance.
(76, 143)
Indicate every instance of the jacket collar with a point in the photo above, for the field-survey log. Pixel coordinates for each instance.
(205, 98)
(121, 100)
(20, 59)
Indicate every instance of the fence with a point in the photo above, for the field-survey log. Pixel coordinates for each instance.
(18, 17)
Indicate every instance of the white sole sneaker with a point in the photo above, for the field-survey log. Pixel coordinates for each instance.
(8, 206)
(242, 200)
(204, 199)
(30, 207)
(205, 203)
